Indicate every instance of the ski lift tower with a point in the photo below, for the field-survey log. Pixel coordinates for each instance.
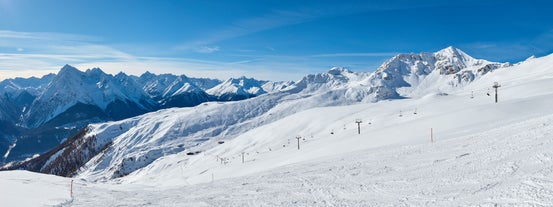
(358, 121)
(298, 138)
(495, 86)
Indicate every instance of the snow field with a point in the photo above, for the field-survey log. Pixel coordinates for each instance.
(507, 166)
(22, 188)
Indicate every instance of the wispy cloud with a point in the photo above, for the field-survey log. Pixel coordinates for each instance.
(514, 50)
(23, 54)
(369, 54)
(56, 45)
(27, 65)
(201, 68)
(544, 41)
(207, 49)
(244, 27)
(271, 20)
(45, 36)
(45, 53)
(286, 17)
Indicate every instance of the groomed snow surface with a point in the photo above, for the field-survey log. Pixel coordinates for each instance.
(22, 188)
(508, 166)
(483, 154)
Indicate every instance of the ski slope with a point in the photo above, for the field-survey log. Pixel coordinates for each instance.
(22, 188)
(483, 154)
(506, 166)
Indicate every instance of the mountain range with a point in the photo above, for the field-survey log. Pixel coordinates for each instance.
(37, 114)
(114, 149)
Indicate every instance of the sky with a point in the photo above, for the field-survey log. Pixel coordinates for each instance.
(270, 40)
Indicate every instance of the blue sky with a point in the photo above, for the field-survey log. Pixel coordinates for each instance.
(275, 40)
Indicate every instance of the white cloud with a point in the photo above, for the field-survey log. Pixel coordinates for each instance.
(251, 25)
(44, 53)
(5, 74)
(48, 52)
(45, 36)
(207, 49)
(280, 18)
(374, 54)
(199, 68)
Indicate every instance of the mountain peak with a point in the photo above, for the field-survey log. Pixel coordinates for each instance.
(69, 71)
(450, 49)
(121, 74)
(68, 68)
(147, 75)
(453, 52)
(97, 72)
(243, 81)
(338, 70)
(243, 87)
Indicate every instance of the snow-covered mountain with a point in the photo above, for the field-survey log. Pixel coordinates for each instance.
(175, 91)
(404, 75)
(414, 75)
(447, 148)
(92, 91)
(238, 89)
(42, 112)
(17, 95)
(114, 149)
(244, 88)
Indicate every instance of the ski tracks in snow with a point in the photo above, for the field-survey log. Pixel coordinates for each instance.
(507, 166)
